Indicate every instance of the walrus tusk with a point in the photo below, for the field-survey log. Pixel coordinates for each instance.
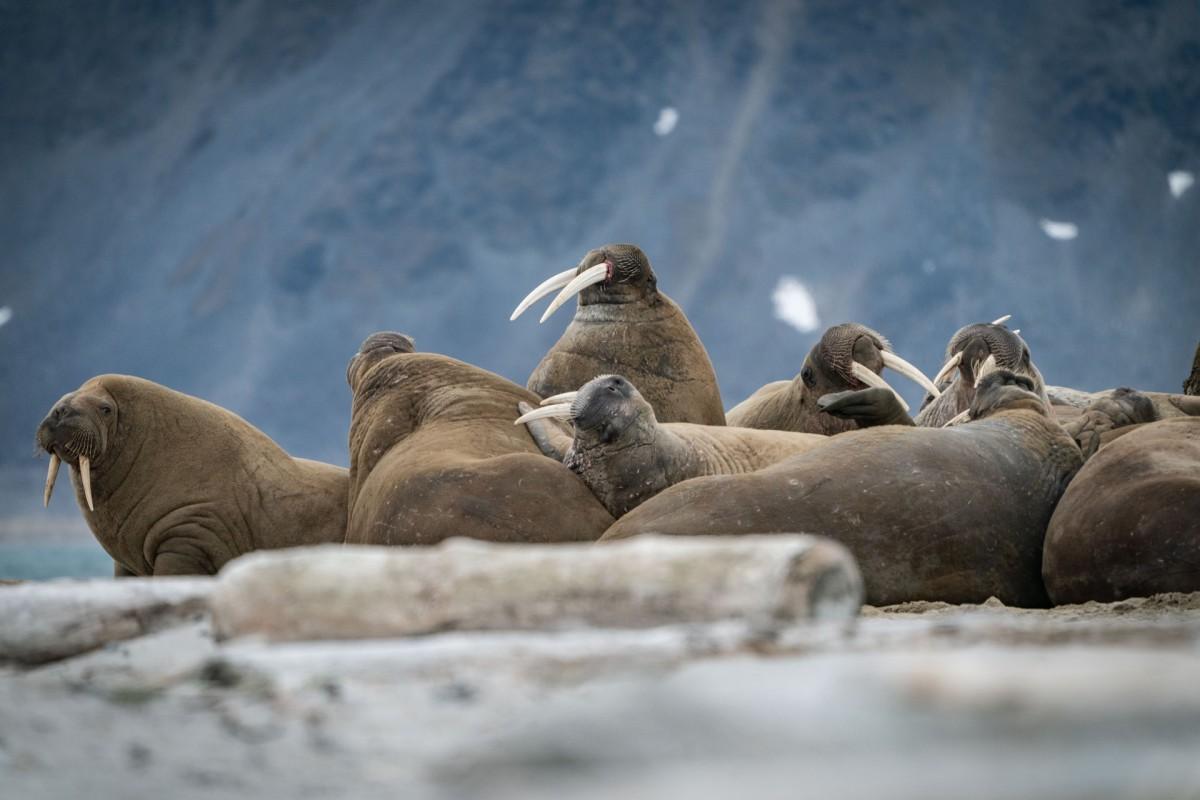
(909, 371)
(559, 411)
(957, 418)
(1002, 320)
(948, 367)
(988, 365)
(589, 276)
(871, 379)
(1016, 332)
(544, 288)
(51, 477)
(85, 477)
(565, 397)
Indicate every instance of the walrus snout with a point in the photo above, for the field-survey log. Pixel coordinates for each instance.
(70, 433)
(1002, 388)
(620, 273)
(374, 348)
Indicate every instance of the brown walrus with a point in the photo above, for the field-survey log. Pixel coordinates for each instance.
(971, 347)
(174, 485)
(847, 357)
(626, 456)
(955, 514)
(1129, 523)
(625, 325)
(1114, 413)
(434, 454)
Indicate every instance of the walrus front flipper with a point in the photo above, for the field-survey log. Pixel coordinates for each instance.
(547, 435)
(1121, 408)
(867, 407)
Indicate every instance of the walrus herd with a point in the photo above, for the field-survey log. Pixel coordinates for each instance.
(999, 485)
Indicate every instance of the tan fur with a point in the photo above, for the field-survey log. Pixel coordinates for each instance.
(434, 454)
(183, 486)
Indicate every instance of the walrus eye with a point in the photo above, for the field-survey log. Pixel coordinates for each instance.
(806, 375)
(106, 409)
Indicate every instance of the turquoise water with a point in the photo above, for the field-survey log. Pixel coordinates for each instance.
(25, 561)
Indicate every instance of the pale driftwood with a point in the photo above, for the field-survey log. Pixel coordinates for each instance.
(377, 592)
(42, 622)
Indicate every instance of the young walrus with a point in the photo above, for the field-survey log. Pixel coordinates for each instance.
(847, 357)
(625, 325)
(955, 514)
(626, 456)
(174, 485)
(434, 454)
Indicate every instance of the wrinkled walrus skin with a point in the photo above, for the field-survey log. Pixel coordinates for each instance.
(1129, 523)
(182, 486)
(626, 325)
(434, 454)
(956, 514)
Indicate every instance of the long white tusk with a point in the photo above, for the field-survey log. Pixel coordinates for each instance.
(1002, 320)
(51, 477)
(583, 280)
(957, 418)
(85, 477)
(948, 367)
(544, 288)
(1016, 332)
(565, 397)
(871, 379)
(560, 411)
(909, 371)
(988, 365)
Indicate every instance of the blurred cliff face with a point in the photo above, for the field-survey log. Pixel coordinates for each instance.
(228, 197)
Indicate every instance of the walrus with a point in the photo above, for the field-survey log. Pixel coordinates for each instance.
(970, 348)
(1129, 523)
(1114, 413)
(173, 485)
(434, 454)
(954, 514)
(624, 324)
(1191, 384)
(626, 456)
(847, 357)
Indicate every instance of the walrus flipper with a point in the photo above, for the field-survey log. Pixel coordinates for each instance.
(1122, 408)
(867, 407)
(550, 438)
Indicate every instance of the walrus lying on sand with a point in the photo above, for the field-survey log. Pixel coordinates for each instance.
(847, 357)
(955, 514)
(625, 325)
(173, 485)
(626, 456)
(434, 454)
(1129, 523)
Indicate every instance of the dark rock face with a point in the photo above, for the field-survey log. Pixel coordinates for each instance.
(226, 197)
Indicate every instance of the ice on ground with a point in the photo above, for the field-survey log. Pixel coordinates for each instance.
(668, 118)
(794, 305)
(1063, 231)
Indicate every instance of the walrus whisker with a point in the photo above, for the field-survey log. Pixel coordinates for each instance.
(871, 379)
(588, 277)
(558, 411)
(909, 371)
(961, 416)
(85, 477)
(553, 283)
(51, 476)
(1002, 320)
(948, 367)
(564, 397)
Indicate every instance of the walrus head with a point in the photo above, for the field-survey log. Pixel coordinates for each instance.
(615, 273)
(1005, 390)
(851, 356)
(971, 346)
(77, 430)
(603, 410)
(375, 347)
